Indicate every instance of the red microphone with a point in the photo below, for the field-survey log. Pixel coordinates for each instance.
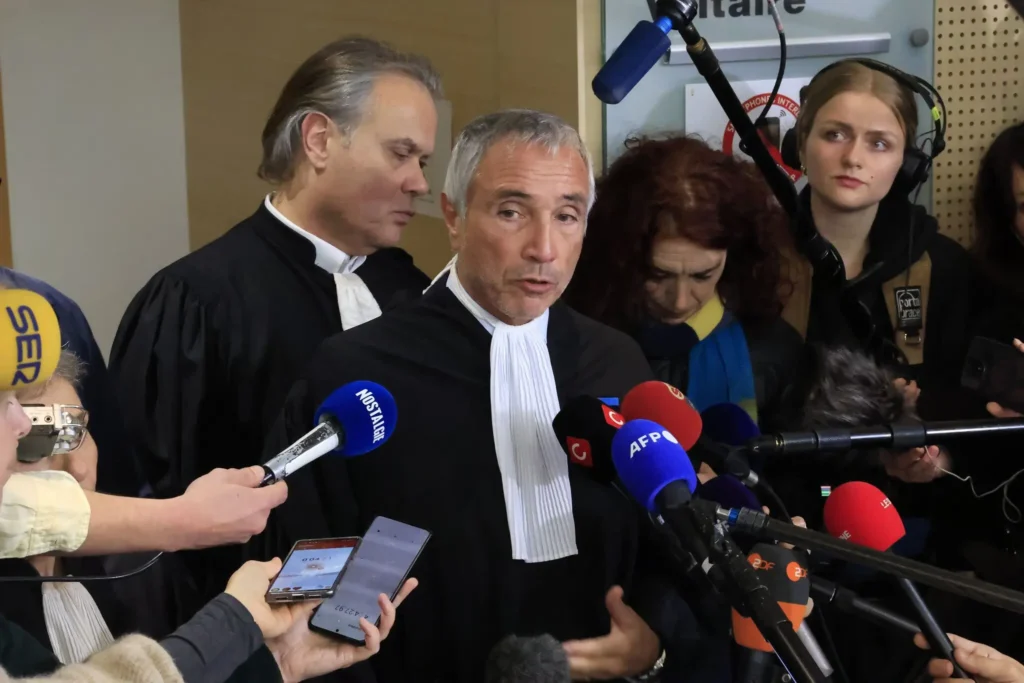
(663, 403)
(860, 513)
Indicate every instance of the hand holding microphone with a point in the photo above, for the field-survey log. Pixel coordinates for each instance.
(985, 664)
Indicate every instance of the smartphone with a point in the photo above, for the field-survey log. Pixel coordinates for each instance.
(312, 569)
(996, 372)
(380, 564)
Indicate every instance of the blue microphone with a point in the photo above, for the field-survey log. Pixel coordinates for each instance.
(642, 48)
(729, 424)
(650, 463)
(351, 421)
(727, 491)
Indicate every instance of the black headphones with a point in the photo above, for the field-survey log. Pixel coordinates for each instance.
(916, 162)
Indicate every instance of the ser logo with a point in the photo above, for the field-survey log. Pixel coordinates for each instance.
(645, 440)
(29, 343)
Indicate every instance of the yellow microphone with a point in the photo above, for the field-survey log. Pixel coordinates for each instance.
(29, 339)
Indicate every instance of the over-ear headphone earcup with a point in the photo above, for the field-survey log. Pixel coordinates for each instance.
(912, 173)
(788, 149)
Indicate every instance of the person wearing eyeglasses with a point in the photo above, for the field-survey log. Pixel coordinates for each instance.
(74, 619)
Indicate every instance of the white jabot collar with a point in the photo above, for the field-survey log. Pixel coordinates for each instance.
(355, 301)
(524, 401)
(328, 256)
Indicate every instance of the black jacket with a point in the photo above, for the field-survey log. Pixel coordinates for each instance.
(901, 235)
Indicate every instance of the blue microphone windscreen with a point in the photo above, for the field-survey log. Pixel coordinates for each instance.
(729, 424)
(728, 492)
(647, 458)
(367, 413)
(640, 51)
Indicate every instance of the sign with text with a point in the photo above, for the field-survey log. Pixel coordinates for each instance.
(705, 117)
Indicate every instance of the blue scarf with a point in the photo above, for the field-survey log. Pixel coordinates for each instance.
(720, 369)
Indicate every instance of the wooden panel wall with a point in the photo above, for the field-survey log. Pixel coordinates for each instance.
(5, 210)
(979, 56)
(237, 54)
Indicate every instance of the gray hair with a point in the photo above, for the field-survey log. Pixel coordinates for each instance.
(851, 390)
(70, 368)
(522, 126)
(336, 81)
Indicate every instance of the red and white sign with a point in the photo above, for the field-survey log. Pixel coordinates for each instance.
(705, 117)
(580, 451)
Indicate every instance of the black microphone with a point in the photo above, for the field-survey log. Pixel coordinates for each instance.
(899, 436)
(848, 601)
(538, 659)
(585, 427)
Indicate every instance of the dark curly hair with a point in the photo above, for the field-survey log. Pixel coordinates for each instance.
(711, 198)
(996, 246)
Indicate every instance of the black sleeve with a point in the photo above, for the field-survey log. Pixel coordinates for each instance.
(215, 642)
(162, 362)
(21, 655)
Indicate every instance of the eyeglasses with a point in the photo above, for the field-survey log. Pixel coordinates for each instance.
(56, 429)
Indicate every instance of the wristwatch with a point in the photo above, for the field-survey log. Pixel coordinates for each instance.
(653, 674)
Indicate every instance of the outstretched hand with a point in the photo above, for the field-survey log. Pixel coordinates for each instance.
(630, 648)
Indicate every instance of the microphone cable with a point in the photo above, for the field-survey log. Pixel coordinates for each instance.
(82, 579)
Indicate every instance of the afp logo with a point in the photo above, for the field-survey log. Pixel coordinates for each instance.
(649, 439)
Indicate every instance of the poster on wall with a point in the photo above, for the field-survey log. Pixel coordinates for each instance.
(430, 203)
(704, 115)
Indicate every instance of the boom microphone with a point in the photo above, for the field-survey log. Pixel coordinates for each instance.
(353, 420)
(632, 59)
(29, 339)
(585, 428)
(862, 514)
(898, 437)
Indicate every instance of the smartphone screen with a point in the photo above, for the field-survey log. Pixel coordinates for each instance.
(312, 568)
(381, 564)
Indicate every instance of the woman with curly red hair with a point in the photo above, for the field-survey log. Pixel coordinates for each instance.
(684, 253)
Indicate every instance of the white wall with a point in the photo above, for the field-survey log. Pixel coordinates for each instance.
(94, 128)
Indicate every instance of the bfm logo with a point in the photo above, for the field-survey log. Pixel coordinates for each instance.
(612, 417)
(646, 440)
(580, 451)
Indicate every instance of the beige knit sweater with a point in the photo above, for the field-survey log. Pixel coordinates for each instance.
(132, 659)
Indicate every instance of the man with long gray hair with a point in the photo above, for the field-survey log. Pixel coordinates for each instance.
(207, 350)
(523, 541)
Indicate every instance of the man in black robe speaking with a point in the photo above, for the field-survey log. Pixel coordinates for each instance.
(522, 541)
(206, 352)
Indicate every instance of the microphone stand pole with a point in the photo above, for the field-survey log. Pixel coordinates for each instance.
(762, 526)
(695, 524)
(823, 256)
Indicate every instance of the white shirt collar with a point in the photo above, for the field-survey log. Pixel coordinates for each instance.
(328, 256)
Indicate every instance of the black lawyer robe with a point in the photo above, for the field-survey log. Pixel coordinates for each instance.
(207, 351)
(439, 471)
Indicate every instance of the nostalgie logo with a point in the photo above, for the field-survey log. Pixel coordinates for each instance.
(373, 408)
(781, 118)
(580, 451)
(612, 417)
